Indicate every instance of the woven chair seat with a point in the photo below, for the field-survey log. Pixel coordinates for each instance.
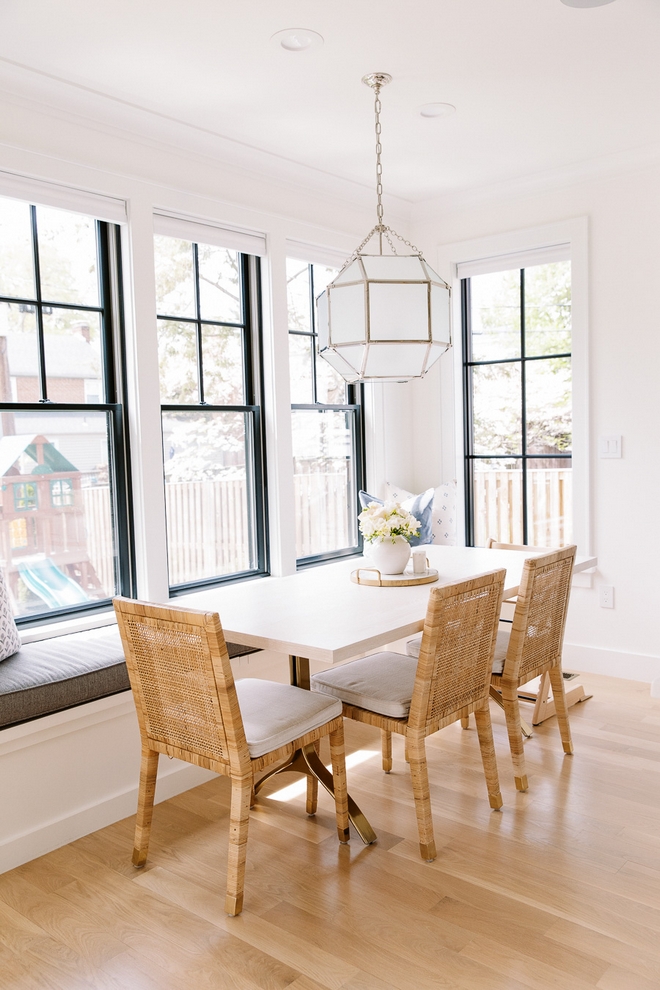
(276, 714)
(382, 682)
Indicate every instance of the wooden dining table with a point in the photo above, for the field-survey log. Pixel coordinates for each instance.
(319, 614)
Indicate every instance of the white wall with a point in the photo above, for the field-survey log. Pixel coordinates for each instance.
(623, 213)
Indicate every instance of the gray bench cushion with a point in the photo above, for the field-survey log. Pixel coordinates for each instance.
(65, 671)
(59, 673)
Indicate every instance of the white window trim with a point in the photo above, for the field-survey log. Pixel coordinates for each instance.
(44, 193)
(206, 232)
(315, 254)
(490, 254)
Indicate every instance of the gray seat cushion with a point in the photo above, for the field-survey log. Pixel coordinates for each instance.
(501, 646)
(66, 671)
(382, 682)
(276, 714)
(59, 673)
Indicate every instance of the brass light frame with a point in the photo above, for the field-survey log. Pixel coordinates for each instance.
(360, 354)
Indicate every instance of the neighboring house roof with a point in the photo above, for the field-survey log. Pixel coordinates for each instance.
(73, 357)
(11, 448)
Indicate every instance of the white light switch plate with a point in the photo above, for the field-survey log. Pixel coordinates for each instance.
(609, 446)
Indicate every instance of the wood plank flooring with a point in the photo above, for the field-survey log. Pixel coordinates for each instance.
(559, 890)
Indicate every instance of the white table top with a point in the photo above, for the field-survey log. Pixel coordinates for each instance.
(319, 613)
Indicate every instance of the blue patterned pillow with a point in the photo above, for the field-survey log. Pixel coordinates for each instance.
(419, 506)
(444, 510)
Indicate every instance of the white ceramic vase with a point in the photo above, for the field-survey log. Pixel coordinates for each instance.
(390, 555)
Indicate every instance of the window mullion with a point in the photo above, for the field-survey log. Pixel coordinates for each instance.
(468, 425)
(198, 326)
(523, 411)
(312, 340)
(41, 347)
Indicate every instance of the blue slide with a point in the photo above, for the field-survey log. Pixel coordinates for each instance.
(51, 584)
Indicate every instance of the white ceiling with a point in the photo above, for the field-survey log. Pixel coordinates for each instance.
(538, 86)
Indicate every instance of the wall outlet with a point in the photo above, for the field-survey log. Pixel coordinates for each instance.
(606, 596)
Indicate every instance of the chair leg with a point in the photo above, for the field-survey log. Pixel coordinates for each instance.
(239, 816)
(514, 729)
(312, 789)
(465, 722)
(420, 785)
(337, 755)
(146, 792)
(487, 747)
(561, 708)
(386, 743)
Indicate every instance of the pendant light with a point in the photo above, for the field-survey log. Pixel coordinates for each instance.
(385, 317)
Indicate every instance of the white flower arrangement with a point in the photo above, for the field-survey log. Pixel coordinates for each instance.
(385, 522)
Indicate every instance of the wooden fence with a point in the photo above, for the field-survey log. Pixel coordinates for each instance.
(322, 512)
(208, 527)
(98, 526)
(498, 506)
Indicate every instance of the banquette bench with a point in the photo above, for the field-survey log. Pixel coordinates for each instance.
(65, 671)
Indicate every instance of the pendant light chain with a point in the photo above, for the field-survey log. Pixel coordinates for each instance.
(376, 81)
(379, 151)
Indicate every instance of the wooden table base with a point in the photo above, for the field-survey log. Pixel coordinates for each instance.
(544, 706)
(307, 762)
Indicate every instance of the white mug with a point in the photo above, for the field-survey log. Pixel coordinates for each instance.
(419, 560)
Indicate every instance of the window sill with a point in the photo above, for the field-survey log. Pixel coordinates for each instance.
(50, 630)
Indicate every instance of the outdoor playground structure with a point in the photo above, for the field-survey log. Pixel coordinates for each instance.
(43, 535)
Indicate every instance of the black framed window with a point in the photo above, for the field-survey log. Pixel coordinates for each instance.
(518, 420)
(208, 341)
(327, 429)
(64, 514)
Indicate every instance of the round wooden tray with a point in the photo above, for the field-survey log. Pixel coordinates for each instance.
(372, 578)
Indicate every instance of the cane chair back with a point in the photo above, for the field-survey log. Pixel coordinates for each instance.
(537, 632)
(450, 679)
(187, 707)
(535, 647)
(183, 685)
(456, 653)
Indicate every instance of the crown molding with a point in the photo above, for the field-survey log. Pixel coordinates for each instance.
(607, 166)
(32, 89)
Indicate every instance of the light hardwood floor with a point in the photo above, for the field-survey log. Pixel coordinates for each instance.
(559, 890)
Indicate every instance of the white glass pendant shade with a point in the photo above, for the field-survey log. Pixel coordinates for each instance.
(384, 318)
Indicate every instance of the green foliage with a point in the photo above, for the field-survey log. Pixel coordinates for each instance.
(497, 395)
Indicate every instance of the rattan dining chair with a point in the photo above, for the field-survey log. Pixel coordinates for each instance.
(534, 647)
(417, 698)
(189, 707)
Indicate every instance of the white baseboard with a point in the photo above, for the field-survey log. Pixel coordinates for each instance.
(51, 835)
(614, 663)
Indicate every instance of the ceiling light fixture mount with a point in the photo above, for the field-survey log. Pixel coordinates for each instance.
(586, 3)
(297, 39)
(437, 110)
(385, 317)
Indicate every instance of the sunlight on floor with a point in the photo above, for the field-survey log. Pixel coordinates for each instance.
(300, 786)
